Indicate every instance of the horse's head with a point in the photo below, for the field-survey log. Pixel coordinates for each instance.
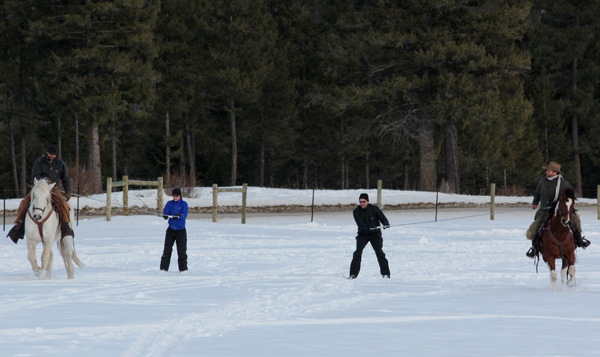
(40, 198)
(565, 206)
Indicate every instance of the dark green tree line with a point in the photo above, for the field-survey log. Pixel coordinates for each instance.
(302, 93)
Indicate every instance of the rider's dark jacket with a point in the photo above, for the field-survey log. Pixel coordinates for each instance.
(368, 218)
(545, 193)
(54, 172)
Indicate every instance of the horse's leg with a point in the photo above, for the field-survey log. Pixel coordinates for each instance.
(66, 247)
(552, 266)
(31, 256)
(571, 263)
(46, 261)
(563, 271)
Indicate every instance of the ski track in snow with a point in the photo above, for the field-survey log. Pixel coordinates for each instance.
(274, 274)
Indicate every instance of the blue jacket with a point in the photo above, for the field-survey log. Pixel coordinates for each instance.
(172, 208)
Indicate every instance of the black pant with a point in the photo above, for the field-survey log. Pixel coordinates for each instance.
(377, 244)
(171, 237)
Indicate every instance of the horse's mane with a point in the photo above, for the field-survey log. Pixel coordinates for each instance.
(570, 193)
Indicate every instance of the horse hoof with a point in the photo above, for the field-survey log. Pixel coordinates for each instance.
(44, 275)
(37, 273)
(570, 283)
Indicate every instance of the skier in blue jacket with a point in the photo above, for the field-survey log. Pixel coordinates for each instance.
(176, 232)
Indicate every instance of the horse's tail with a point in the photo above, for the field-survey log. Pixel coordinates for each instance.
(61, 249)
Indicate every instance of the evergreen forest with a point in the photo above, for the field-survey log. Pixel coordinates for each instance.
(429, 95)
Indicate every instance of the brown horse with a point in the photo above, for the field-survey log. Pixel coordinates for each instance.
(557, 240)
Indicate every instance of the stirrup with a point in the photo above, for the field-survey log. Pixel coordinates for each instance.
(583, 243)
(530, 253)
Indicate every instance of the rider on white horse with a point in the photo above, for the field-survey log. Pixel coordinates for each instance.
(54, 170)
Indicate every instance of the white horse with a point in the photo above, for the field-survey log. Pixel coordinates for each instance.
(42, 226)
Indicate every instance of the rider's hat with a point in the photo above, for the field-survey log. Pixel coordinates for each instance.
(553, 166)
(52, 150)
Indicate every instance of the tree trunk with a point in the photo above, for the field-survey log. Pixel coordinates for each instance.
(451, 148)
(261, 164)
(77, 146)
(23, 161)
(234, 154)
(13, 155)
(191, 156)
(343, 172)
(406, 183)
(575, 135)
(305, 175)
(367, 170)
(182, 158)
(96, 168)
(167, 152)
(114, 150)
(59, 143)
(427, 156)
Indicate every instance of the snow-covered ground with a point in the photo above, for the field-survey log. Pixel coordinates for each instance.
(276, 287)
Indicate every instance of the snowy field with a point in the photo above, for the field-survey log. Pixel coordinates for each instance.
(276, 287)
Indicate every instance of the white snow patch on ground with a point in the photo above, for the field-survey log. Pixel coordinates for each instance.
(276, 287)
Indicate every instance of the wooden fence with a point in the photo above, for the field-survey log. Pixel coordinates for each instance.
(125, 183)
(243, 190)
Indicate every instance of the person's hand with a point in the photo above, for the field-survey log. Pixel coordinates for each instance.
(176, 216)
(386, 226)
(67, 196)
(534, 206)
(165, 217)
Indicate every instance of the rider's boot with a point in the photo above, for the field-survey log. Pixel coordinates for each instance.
(17, 232)
(533, 251)
(65, 230)
(580, 241)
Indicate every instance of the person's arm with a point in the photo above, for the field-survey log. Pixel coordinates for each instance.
(381, 217)
(184, 211)
(536, 195)
(64, 176)
(167, 209)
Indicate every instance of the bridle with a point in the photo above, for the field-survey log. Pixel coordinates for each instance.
(40, 224)
(560, 212)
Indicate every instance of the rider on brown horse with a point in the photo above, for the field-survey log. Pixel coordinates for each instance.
(53, 169)
(547, 192)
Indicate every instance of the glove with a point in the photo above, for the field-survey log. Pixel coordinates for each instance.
(67, 196)
(386, 226)
(176, 216)
(165, 217)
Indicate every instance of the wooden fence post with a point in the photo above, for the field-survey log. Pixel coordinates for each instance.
(244, 194)
(126, 195)
(108, 197)
(159, 202)
(379, 187)
(215, 193)
(492, 200)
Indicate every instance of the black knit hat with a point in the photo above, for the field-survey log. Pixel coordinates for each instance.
(176, 192)
(52, 150)
(364, 196)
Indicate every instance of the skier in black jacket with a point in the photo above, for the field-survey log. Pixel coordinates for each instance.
(367, 218)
